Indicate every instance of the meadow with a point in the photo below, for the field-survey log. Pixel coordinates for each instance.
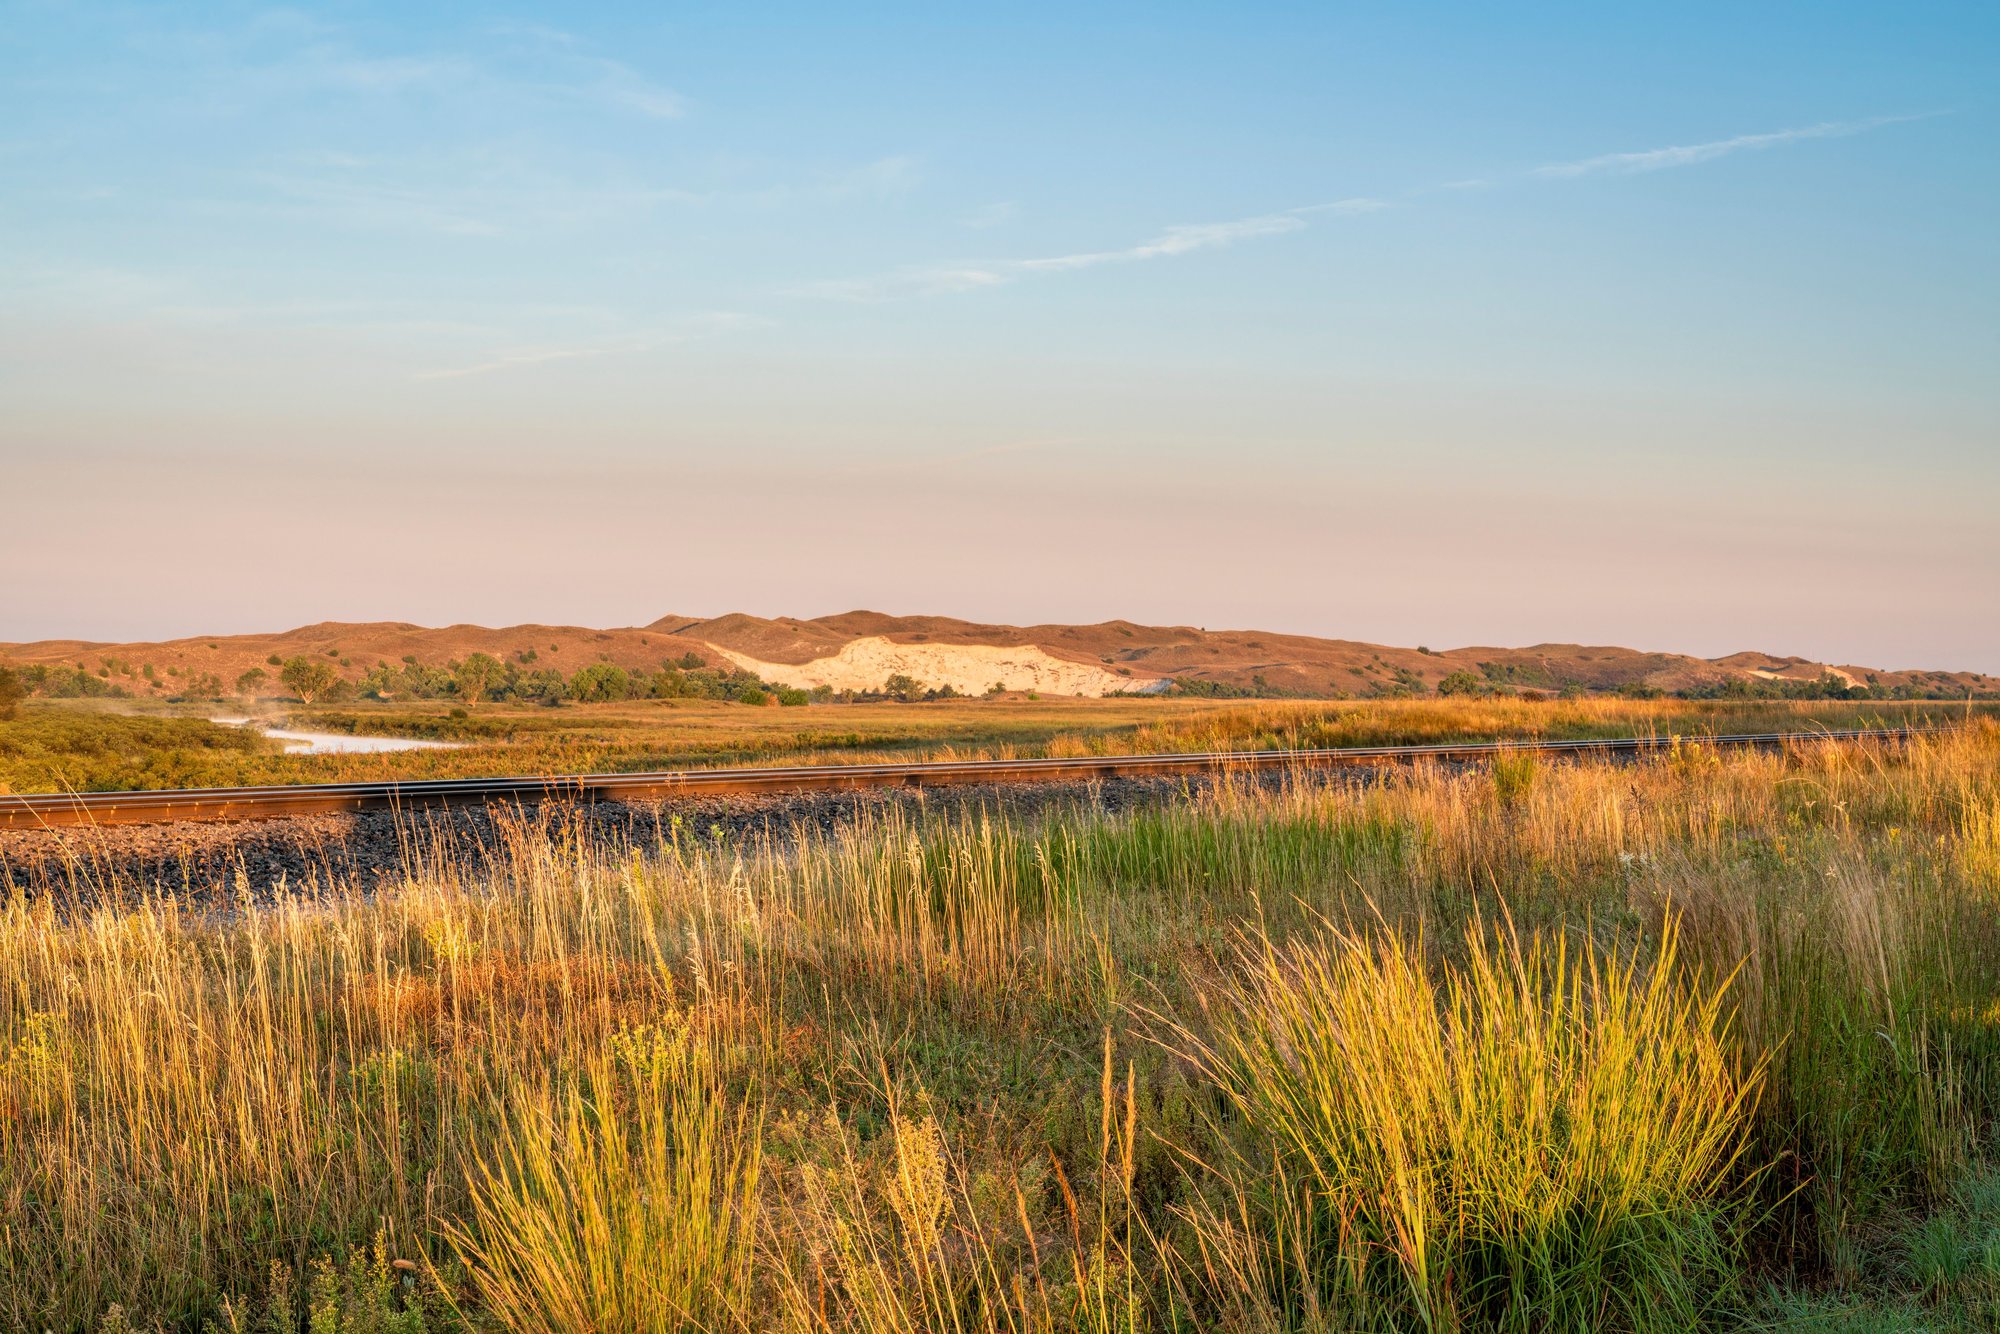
(1711, 1041)
(107, 745)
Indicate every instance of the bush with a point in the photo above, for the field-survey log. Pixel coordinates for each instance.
(68, 683)
(752, 695)
(201, 685)
(12, 691)
(905, 688)
(1460, 682)
(792, 698)
(601, 682)
(546, 686)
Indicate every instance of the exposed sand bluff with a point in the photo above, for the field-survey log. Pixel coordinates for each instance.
(865, 663)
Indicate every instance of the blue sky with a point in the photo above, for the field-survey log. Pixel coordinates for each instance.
(1448, 324)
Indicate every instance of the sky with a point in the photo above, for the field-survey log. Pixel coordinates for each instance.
(1674, 327)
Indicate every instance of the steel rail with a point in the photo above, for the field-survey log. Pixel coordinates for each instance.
(57, 809)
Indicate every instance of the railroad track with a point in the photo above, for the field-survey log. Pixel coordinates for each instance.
(42, 811)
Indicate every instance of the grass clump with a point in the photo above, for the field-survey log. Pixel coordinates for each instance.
(1520, 1139)
(624, 1201)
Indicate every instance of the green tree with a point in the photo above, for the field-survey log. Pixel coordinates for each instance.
(546, 686)
(477, 675)
(12, 691)
(902, 687)
(752, 695)
(1460, 682)
(601, 681)
(308, 678)
(249, 683)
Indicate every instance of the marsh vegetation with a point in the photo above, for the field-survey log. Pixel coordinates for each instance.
(109, 745)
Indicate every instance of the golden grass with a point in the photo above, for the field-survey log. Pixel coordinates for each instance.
(1570, 1047)
(1526, 1132)
(90, 744)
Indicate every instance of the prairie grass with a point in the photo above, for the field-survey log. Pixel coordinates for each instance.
(1711, 1041)
(87, 745)
(1525, 1139)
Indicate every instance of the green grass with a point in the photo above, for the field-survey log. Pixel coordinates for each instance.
(56, 748)
(1708, 1042)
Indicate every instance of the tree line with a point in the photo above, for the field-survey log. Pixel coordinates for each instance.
(476, 679)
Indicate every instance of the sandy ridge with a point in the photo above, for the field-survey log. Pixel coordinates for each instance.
(970, 669)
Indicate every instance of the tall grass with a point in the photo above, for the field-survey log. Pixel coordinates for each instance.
(1577, 1047)
(1526, 1140)
(627, 1201)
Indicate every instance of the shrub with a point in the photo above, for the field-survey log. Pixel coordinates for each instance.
(12, 691)
(374, 1292)
(546, 686)
(1460, 682)
(601, 681)
(201, 685)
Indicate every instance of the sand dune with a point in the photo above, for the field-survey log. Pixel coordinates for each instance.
(865, 663)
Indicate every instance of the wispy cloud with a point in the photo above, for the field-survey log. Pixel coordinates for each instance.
(1688, 155)
(502, 69)
(1184, 239)
(1342, 207)
(975, 275)
(580, 74)
(622, 86)
(1173, 241)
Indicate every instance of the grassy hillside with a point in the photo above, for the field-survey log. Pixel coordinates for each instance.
(1702, 1043)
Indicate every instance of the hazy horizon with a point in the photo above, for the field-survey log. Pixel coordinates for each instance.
(1669, 331)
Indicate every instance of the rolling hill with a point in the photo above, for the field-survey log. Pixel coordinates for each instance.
(858, 650)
